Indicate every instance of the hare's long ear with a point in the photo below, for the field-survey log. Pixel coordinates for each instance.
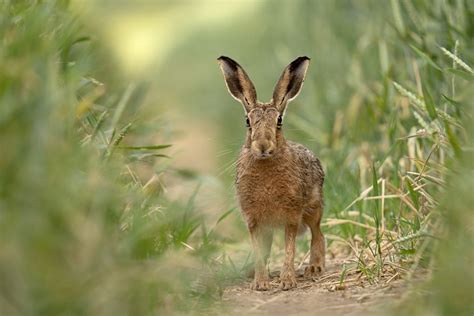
(238, 82)
(290, 83)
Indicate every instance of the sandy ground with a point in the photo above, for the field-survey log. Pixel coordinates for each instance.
(323, 296)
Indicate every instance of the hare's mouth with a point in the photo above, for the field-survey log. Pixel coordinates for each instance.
(263, 150)
(263, 156)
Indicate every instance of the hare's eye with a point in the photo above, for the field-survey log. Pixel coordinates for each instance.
(280, 121)
(247, 121)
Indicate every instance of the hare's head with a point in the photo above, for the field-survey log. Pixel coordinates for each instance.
(264, 120)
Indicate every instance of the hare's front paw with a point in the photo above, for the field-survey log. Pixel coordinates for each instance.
(260, 285)
(313, 270)
(288, 281)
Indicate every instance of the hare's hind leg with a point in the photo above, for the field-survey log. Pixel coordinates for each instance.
(261, 242)
(312, 218)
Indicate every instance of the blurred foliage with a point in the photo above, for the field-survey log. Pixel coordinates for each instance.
(90, 93)
(81, 233)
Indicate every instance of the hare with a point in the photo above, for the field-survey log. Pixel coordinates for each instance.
(279, 183)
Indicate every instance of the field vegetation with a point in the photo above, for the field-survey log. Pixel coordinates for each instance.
(117, 157)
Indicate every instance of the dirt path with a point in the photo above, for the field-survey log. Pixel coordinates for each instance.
(324, 296)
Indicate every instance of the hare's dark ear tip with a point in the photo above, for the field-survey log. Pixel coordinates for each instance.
(298, 62)
(301, 59)
(225, 58)
(228, 63)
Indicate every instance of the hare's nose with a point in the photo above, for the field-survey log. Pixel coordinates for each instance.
(266, 150)
(263, 149)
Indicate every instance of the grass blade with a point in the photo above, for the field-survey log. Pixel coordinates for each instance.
(462, 74)
(453, 140)
(458, 60)
(121, 107)
(429, 103)
(152, 147)
(426, 58)
(377, 210)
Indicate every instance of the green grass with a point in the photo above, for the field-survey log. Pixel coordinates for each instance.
(81, 231)
(87, 225)
(404, 139)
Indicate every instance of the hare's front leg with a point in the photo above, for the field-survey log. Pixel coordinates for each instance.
(260, 242)
(287, 276)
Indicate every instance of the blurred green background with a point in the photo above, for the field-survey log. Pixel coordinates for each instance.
(98, 215)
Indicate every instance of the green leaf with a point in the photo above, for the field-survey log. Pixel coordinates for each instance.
(429, 103)
(82, 39)
(223, 216)
(452, 139)
(98, 126)
(457, 105)
(154, 155)
(374, 180)
(152, 147)
(140, 157)
(453, 102)
(416, 223)
(409, 251)
(426, 58)
(413, 193)
(120, 108)
(462, 74)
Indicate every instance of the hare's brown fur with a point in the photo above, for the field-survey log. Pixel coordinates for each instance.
(279, 183)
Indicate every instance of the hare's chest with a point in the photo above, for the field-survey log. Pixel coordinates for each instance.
(272, 195)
